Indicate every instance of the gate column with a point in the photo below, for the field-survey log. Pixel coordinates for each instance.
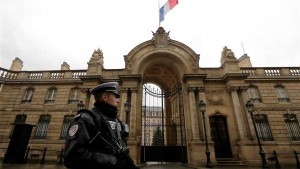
(132, 120)
(130, 86)
(201, 95)
(194, 113)
(122, 109)
(238, 112)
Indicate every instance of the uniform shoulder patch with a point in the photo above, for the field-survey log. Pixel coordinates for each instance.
(73, 130)
(78, 115)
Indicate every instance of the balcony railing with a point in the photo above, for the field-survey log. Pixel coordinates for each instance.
(35, 75)
(76, 74)
(6, 74)
(272, 71)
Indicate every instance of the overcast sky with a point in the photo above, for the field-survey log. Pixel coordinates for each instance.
(46, 33)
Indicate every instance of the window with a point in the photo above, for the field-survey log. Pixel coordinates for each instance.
(42, 127)
(153, 114)
(254, 94)
(292, 126)
(51, 95)
(74, 96)
(263, 127)
(159, 114)
(64, 131)
(281, 94)
(20, 119)
(28, 95)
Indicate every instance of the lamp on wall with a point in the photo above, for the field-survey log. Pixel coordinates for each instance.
(207, 152)
(250, 109)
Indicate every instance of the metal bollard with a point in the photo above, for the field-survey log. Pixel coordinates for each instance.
(297, 159)
(26, 155)
(61, 156)
(276, 160)
(44, 154)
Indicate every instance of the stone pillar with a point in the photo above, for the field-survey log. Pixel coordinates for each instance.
(201, 95)
(132, 126)
(238, 113)
(194, 114)
(122, 109)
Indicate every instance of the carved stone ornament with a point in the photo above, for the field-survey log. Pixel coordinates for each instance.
(215, 97)
(160, 37)
(227, 53)
(97, 55)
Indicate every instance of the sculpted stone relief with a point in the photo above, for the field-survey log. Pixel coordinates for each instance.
(227, 53)
(97, 56)
(215, 97)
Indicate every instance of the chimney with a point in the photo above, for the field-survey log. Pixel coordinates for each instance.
(17, 64)
(65, 66)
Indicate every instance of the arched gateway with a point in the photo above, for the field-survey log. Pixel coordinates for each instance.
(166, 63)
(174, 67)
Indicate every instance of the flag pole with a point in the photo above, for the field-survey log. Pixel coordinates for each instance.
(158, 13)
(243, 47)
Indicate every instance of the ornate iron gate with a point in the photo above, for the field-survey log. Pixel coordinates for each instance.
(163, 131)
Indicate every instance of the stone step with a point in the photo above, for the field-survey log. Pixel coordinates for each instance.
(230, 162)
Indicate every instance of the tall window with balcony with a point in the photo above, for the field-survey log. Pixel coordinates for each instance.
(28, 95)
(42, 127)
(74, 96)
(253, 94)
(66, 122)
(281, 94)
(292, 126)
(263, 127)
(50, 98)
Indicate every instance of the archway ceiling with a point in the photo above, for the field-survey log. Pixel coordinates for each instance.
(163, 75)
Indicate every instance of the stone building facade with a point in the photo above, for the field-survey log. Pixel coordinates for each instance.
(48, 99)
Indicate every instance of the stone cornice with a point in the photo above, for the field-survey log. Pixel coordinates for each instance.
(187, 77)
(134, 77)
(99, 78)
(240, 87)
(230, 76)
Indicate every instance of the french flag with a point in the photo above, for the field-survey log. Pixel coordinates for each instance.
(170, 4)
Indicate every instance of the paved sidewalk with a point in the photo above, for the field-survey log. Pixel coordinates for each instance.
(149, 166)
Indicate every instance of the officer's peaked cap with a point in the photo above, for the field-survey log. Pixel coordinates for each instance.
(106, 87)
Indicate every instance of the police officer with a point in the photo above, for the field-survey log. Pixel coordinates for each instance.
(96, 138)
